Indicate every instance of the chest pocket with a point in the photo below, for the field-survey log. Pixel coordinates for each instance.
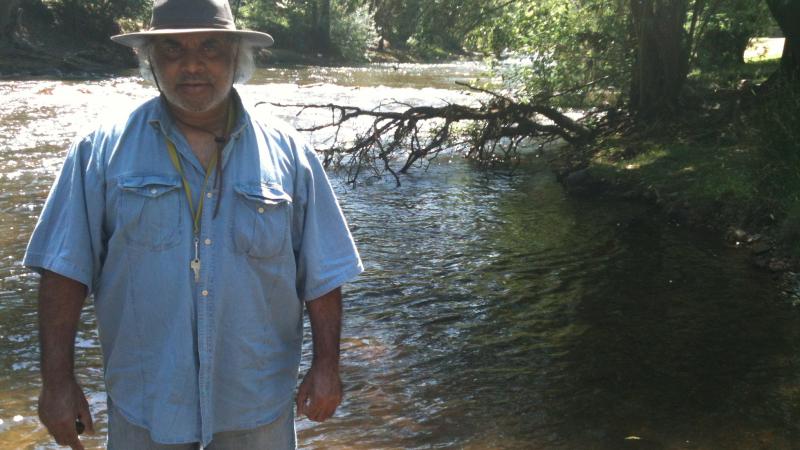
(149, 211)
(261, 219)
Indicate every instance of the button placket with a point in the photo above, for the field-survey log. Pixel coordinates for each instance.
(205, 313)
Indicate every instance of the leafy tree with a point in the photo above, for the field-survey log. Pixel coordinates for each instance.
(352, 31)
(96, 19)
(720, 30)
(332, 27)
(395, 20)
(640, 50)
(559, 45)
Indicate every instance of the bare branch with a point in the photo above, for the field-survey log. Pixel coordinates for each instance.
(491, 132)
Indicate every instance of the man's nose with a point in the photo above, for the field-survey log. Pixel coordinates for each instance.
(192, 62)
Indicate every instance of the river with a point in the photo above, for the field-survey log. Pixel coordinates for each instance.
(496, 312)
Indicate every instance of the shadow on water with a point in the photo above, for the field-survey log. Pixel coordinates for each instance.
(509, 316)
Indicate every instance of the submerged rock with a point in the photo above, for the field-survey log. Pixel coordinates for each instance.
(583, 182)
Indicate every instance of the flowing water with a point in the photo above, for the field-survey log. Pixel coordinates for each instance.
(495, 312)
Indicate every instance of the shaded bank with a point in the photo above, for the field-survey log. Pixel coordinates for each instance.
(38, 48)
(727, 163)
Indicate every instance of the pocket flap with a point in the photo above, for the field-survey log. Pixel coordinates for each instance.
(266, 193)
(150, 185)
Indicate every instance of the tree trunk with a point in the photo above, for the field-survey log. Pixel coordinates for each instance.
(787, 15)
(661, 60)
(8, 19)
(321, 12)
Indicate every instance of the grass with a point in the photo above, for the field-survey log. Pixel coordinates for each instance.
(726, 163)
(731, 77)
(725, 181)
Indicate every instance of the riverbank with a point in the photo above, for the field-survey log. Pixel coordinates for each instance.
(729, 165)
(50, 57)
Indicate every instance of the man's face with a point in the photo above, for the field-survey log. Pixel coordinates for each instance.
(195, 71)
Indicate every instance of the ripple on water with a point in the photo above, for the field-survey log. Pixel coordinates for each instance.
(495, 312)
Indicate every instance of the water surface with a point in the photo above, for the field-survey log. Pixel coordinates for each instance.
(495, 312)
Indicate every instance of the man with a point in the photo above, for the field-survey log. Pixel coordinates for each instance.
(201, 232)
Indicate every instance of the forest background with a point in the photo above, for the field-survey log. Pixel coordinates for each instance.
(675, 114)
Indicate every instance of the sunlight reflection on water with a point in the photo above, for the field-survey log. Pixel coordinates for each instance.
(495, 312)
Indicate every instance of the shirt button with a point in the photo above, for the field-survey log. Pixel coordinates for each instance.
(205, 293)
(261, 210)
(208, 241)
(154, 191)
(209, 195)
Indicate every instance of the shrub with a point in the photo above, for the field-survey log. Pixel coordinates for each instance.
(352, 31)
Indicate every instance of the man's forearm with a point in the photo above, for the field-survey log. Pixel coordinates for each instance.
(325, 315)
(320, 393)
(60, 303)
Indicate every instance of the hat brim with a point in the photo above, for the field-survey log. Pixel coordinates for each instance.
(134, 40)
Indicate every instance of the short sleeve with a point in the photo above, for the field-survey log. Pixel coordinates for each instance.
(325, 251)
(67, 238)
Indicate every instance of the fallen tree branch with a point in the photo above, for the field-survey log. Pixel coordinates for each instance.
(395, 140)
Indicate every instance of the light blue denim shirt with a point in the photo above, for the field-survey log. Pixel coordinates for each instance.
(187, 359)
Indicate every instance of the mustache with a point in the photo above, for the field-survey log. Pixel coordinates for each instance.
(195, 80)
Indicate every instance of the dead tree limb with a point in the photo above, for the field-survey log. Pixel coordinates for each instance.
(400, 135)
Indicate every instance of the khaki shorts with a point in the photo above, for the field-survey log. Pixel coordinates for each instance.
(278, 435)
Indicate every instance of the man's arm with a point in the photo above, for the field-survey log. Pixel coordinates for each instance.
(61, 401)
(321, 390)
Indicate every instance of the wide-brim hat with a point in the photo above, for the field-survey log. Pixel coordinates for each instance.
(192, 16)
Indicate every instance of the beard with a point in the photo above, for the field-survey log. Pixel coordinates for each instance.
(198, 93)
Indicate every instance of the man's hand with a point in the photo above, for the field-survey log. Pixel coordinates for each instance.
(319, 394)
(59, 406)
(321, 390)
(61, 401)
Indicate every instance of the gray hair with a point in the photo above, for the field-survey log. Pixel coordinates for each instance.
(245, 62)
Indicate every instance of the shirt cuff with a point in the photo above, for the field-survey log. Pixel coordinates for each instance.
(338, 279)
(41, 262)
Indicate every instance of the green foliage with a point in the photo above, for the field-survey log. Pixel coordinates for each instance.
(560, 45)
(293, 24)
(722, 30)
(431, 26)
(289, 22)
(96, 19)
(443, 23)
(720, 184)
(733, 77)
(352, 31)
(396, 20)
(557, 44)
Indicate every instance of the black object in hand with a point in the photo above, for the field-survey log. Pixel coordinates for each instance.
(79, 427)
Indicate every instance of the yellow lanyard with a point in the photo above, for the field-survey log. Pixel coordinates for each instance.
(173, 156)
(194, 264)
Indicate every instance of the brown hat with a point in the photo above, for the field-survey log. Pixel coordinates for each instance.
(192, 16)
